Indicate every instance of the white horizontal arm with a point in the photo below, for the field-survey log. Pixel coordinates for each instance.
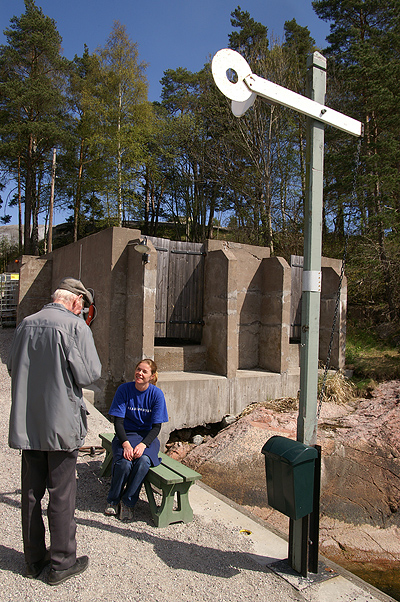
(247, 86)
(306, 106)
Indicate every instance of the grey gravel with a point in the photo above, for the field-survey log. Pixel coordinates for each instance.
(206, 560)
(199, 561)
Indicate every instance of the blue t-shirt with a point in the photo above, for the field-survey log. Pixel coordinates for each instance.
(141, 409)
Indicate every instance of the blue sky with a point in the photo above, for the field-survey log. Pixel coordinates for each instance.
(169, 33)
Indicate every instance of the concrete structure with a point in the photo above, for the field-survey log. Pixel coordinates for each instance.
(245, 353)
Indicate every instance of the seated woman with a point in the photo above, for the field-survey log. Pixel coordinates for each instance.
(139, 409)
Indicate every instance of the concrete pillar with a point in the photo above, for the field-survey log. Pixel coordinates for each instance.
(275, 315)
(220, 331)
(34, 285)
(140, 307)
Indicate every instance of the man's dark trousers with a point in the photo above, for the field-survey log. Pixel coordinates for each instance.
(56, 471)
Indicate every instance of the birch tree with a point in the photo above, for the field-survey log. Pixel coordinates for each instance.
(123, 111)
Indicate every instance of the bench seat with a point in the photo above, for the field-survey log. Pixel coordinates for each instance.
(171, 477)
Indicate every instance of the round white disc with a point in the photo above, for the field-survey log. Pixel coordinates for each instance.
(222, 62)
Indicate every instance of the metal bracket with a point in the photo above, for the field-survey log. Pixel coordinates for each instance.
(312, 281)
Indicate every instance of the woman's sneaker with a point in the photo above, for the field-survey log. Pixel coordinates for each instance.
(111, 510)
(126, 514)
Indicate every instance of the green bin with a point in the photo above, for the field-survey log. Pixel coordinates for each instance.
(289, 469)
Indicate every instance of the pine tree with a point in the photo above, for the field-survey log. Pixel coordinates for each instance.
(32, 104)
(270, 139)
(365, 63)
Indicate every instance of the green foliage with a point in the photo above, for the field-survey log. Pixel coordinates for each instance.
(372, 358)
(32, 104)
(251, 40)
(124, 116)
(8, 252)
(365, 68)
(189, 163)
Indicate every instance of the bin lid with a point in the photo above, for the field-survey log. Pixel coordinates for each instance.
(292, 452)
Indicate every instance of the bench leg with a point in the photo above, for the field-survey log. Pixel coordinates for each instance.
(162, 515)
(165, 514)
(105, 470)
(184, 508)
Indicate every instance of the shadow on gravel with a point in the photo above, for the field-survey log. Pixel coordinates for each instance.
(5, 498)
(92, 492)
(6, 336)
(11, 560)
(185, 556)
(176, 554)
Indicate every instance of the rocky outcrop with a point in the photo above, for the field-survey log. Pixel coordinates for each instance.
(360, 469)
(361, 461)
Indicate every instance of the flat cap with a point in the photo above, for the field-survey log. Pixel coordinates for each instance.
(75, 286)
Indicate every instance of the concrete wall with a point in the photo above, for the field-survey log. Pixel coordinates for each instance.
(246, 309)
(245, 354)
(249, 287)
(35, 277)
(220, 331)
(140, 307)
(101, 262)
(201, 398)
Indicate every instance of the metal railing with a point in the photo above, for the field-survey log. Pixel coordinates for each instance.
(9, 286)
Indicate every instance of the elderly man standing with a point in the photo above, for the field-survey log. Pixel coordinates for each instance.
(51, 358)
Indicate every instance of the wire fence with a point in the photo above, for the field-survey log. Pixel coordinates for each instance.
(9, 287)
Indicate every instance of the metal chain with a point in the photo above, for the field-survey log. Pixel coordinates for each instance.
(335, 315)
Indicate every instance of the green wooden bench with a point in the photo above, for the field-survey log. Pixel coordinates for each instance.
(171, 477)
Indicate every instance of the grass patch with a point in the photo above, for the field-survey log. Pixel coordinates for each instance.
(372, 359)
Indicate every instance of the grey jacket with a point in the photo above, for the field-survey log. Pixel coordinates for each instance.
(51, 358)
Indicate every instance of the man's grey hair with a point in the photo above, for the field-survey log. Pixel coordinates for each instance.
(63, 295)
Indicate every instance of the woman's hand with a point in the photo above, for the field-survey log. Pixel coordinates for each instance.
(128, 450)
(138, 450)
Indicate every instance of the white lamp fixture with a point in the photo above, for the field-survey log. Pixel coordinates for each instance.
(143, 249)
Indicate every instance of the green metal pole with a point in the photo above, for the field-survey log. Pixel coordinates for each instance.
(307, 419)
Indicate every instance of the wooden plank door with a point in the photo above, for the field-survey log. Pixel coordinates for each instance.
(296, 264)
(180, 285)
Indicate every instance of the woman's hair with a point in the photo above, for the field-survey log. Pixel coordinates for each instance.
(153, 367)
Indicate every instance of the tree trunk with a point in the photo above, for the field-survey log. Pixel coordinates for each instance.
(30, 186)
(20, 233)
(119, 161)
(147, 201)
(77, 204)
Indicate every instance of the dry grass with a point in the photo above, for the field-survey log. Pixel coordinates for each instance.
(338, 389)
(283, 404)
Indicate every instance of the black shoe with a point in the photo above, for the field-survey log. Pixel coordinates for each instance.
(34, 569)
(56, 577)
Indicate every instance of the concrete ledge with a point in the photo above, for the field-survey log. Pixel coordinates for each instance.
(195, 398)
(167, 377)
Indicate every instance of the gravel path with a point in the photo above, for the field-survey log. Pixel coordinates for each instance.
(201, 561)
